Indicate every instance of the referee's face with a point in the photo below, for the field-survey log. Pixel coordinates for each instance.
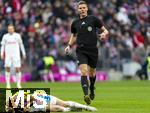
(11, 29)
(82, 10)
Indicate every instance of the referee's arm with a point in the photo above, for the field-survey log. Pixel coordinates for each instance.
(72, 39)
(70, 43)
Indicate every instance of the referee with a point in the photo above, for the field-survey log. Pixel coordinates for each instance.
(84, 33)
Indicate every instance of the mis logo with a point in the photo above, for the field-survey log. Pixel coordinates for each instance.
(22, 98)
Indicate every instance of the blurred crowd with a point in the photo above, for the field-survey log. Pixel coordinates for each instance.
(45, 28)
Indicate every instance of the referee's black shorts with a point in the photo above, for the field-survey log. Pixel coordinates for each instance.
(87, 56)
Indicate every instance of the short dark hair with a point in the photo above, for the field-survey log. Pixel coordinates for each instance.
(81, 2)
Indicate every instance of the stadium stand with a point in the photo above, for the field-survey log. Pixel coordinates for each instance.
(45, 29)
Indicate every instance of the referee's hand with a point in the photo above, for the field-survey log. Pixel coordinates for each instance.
(68, 50)
(103, 37)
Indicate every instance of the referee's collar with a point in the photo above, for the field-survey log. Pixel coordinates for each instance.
(83, 17)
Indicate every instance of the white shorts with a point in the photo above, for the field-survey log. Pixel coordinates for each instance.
(15, 62)
(53, 100)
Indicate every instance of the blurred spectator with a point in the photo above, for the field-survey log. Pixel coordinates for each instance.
(122, 16)
(145, 69)
(44, 69)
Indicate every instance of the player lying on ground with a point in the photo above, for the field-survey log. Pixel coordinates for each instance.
(52, 104)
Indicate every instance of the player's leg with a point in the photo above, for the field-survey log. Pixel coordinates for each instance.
(18, 73)
(78, 107)
(17, 65)
(82, 62)
(75, 106)
(7, 74)
(58, 108)
(92, 73)
(7, 71)
(69, 104)
(90, 108)
(84, 82)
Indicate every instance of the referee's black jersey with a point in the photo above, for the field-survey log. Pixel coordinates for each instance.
(85, 29)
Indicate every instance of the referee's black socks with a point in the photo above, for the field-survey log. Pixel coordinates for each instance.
(92, 81)
(85, 84)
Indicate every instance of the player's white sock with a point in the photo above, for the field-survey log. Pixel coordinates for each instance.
(66, 109)
(7, 75)
(19, 80)
(90, 108)
(75, 105)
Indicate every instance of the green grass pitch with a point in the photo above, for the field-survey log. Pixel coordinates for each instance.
(111, 97)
